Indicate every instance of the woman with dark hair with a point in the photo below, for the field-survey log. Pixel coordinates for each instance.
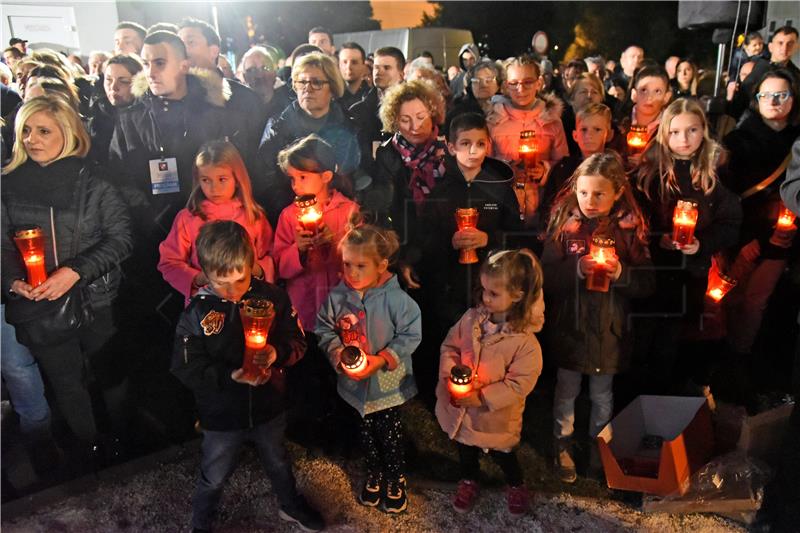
(118, 74)
(51, 184)
(482, 82)
(685, 82)
(759, 152)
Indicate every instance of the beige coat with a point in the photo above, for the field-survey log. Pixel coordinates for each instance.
(508, 364)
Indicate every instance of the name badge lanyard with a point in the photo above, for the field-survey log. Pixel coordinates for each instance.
(159, 137)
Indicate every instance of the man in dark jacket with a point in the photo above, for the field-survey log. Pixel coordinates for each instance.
(352, 66)
(467, 57)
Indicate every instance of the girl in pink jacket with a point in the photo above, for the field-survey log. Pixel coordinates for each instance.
(495, 341)
(222, 191)
(308, 260)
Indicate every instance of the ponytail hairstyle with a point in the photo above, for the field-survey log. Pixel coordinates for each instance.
(313, 154)
(609, 165)
(375, 241)
(224, 154)
(658, 162)
(520, 271)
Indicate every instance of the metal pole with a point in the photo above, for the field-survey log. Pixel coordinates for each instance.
(215, 17)
(720, 63)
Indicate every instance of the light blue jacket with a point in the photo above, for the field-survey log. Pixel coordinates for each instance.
(385, 322)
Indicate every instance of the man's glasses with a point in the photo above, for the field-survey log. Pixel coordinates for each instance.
(526, 84)
(780, 96)
(315, 84)
(255, 70)
(483, 81)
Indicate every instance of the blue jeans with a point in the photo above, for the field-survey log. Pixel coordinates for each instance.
(220, 454)
(24, 382)
(568, 387)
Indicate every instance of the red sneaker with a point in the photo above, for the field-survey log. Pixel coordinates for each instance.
(466, 496)
(518, 500)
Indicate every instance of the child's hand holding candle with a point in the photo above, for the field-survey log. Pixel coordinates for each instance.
(785, 229)
(374, 363)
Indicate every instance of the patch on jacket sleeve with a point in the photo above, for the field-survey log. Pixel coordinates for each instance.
(212, 323)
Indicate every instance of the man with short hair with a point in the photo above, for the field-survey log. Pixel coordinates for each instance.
(630, 59)
(19, 44)
(129, 38)
(322, 38)
(671, 66)
(244, 105)
(353, 68)
(259, 72)
(11, 55)
(387, 71)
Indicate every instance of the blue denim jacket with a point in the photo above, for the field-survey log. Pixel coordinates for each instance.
(386, 322)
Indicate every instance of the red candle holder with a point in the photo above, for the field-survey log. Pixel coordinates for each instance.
(354, 360)
(528, 149)
(602, 251)
(308, 212)
(257, 315)
(637, 139)
(684, 220)
(30, 242)
(467, 218)
(460, 384)
(718, 284)
(785, 219)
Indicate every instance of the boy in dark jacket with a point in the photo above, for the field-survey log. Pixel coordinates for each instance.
(236, 407)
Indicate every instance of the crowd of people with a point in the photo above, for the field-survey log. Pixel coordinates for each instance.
(449, 209)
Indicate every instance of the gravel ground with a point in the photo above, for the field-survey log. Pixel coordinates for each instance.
(157, 499)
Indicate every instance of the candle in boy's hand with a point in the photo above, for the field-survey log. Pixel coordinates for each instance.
(528, 149)
(308, 214)
(257, 315)
(467, 218)
(684, 220)
(718, 284)
(460, 383)
(30, 242)
(602, 251)
(354, 360)
(785, 219)
(637, 139)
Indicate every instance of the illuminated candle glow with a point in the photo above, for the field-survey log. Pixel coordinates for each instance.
(785, 219)
(684, 220)
(718, 284)
(354, 360)
(528, 148)
(30, 242)
(257, 315)
(308, 214)
(602, 251)
(460, 383)
(467, 218)
(637, 138)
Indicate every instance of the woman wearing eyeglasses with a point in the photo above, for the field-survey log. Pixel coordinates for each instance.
(482, 82)
(317, 82)
(759, 152)
(519, 110)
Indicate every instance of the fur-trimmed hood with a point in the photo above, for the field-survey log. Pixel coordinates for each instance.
(216, 89)
(503, 110)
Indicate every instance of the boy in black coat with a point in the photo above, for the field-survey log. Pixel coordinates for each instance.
(236, 407)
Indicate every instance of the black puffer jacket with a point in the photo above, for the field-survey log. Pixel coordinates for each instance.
(100, 127)
(209, 345)
(105, 239)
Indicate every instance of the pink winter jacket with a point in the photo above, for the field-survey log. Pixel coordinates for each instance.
(508, 364)
(506, 122)
(179, 264)
(309, 283)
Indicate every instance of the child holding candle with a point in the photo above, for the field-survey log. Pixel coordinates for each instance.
(370, 311)
(596, 204)
(234, 407)
(222, 191)
(496, 341)
(681, 164)
(650, 94)
(308, 260)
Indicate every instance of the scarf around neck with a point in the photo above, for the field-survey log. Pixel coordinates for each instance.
(426, 163)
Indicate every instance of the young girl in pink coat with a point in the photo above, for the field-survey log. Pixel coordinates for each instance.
(222, 191)
(310, 263)
(495, 340)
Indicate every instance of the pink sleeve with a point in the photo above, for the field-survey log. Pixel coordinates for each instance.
(175, 254)
(263, 245)
(560, 148)
(285, 251)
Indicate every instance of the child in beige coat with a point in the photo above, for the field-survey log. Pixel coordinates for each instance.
(496, 341)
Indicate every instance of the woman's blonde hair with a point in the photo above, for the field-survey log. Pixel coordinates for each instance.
(326, 64)
(223, 154)
(76, 140)
(423, 90)
(609, 165)
(589, 79)
(658, 162)
(521, 272)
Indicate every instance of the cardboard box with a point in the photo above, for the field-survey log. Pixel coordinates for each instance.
(629, 444)
(762, 434)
